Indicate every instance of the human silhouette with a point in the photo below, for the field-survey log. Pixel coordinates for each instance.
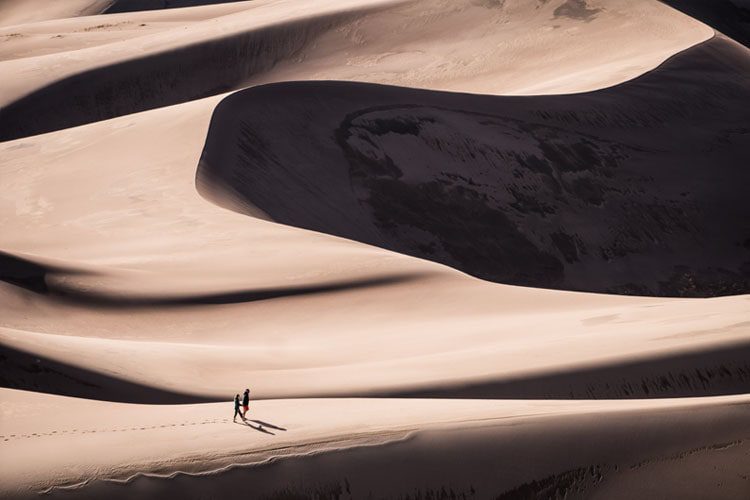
(245, 402)
(237, 408)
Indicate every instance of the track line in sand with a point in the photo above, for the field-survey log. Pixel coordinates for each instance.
(261, 426)
(69, 432)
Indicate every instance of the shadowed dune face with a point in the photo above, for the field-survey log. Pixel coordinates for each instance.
(322, 259)
(710, 372)
(637, 189)
(31, 372)
(179, 76)
(140, 5)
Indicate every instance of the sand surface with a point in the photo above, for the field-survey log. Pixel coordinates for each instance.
(529, 47)
(352, 225)
(195, 444)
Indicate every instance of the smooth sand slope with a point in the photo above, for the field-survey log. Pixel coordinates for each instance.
(17, 12)
(140, 265)
(144, 5)
(135, 275)
(64, 37)
(527, 47)
(481, 449)
(731, 17)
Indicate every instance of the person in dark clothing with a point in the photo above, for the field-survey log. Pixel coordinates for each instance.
(237, 408)
(245, 402)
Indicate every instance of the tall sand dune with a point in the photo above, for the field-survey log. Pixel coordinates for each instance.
(635, 189)
(346, 235)
(529, 48)
(142, 5)
(731, 17)
(17, 12)
(351, 448)
(110, 257)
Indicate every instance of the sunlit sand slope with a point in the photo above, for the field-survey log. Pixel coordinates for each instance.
(16, 12)
(316, 240)
(111, 250)
(516, 46)
(483, 449)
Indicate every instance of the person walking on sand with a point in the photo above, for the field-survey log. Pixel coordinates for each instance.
(245, 402)
(237, 408)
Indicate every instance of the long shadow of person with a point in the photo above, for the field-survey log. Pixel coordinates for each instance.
(266, 424)
(259, 428)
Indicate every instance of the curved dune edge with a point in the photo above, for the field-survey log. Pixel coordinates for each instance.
(642, 351)
(727, 16)
(131, 263)
(199, 447)
(594, 192)
(119, 282)
(101, 82)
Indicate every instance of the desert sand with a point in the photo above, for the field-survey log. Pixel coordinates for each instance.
(490, 249)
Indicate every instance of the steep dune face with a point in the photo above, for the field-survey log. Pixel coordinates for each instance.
(637, 189)
(117, 268)
(125, 292)
(529, 47)
(141, 5)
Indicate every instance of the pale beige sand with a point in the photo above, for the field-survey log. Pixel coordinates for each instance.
(147, 238)
(123, 283)
(17, 12)
(527, 48)
(67, 35)
(487, 444)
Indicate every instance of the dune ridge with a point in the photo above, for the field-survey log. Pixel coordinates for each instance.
(641, 219)
(636, 439)
(310, 237)
(266, 42)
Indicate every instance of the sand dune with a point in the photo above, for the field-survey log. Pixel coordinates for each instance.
(310, 239)
(272, 41)
(731, 17)
(302, 445)
(497, 187)
(430, 329)
(16, 12)
(143, 5)
(72, 34)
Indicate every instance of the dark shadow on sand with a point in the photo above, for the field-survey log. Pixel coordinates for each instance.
(710, 372)
(162, 79)
(30, 372)
(33, 277)
(141, 5)
(259, 428)
(635, 189)
(266, 424)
